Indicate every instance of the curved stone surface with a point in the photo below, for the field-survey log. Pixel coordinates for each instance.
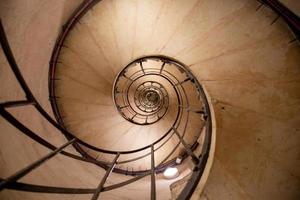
(248, 67)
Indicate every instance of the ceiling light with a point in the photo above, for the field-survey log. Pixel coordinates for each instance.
(178, 160)
(171, 172)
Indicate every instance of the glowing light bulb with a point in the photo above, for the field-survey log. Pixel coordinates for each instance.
(171, 172)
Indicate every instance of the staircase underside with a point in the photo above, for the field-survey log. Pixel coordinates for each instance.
(247, 65)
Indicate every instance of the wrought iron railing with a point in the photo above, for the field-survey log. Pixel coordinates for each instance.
(12, 181)
(287, 15)
(125, 107)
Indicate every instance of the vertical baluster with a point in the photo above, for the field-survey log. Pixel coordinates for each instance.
(32, 166)
(141, 64)
(162, 68)
(153, 186)
(10, 104)
(187, 148)
(103, 180)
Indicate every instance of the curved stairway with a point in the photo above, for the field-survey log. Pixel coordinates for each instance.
(240, 51)
(123, 119)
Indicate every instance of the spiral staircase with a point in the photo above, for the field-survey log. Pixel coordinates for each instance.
(137, 87)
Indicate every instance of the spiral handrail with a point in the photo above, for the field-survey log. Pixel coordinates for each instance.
(81, 145)
(12, 182)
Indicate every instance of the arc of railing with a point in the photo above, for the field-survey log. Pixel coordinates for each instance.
(35, 188)
(175, 84)
(125, 98)
(146, 73)
(32, 101)
(12, 181)
(288, 16)
(69, 25)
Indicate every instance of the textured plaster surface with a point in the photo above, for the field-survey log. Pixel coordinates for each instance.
(248, 67)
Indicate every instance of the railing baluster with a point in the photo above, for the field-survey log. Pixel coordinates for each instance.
(127, 77)
(278, 16)
(32, 166)
(10, 104)
(261, 5)
(103, 180)
(162, 68)
(181, 82)
(122, 184)
(153, 186)
(187, 148)
(48, 189)
(23, 129)
(125, 106)
(141, 64)
(293, 40)
(12, 62)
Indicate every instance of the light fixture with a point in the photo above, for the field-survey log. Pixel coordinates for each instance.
(171, 172)
(178, 160)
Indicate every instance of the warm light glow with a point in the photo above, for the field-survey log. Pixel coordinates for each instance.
(171, 172)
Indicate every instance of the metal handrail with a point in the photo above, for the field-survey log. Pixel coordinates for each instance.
(286, 14)
(176, 122)
(83, 8)
(11, 182)
(165, 74)
(146, 73)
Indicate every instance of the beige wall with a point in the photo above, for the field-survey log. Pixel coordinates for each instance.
(247, 66)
